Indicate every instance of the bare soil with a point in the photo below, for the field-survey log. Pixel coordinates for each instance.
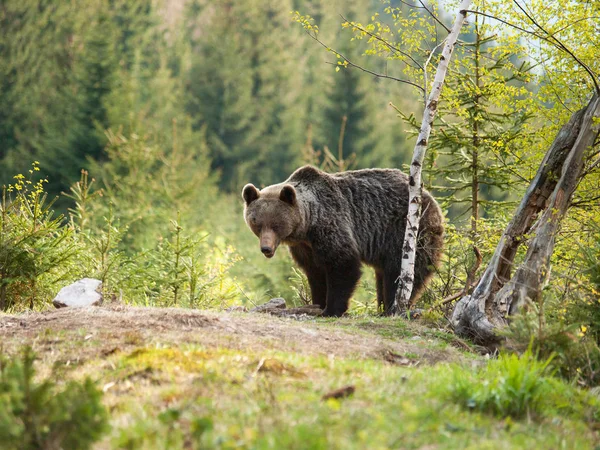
(64, 334)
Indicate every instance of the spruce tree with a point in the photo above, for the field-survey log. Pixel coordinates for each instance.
(473, 150)
(36, 60)
(348, 116)
(95, 72)
(60, 65)
(242, 87)
(349, 98)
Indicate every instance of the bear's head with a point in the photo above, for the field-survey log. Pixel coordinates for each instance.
(272, 214)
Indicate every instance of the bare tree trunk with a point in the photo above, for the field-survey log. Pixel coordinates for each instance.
(529, 279)
(495, 298)
(407, 272)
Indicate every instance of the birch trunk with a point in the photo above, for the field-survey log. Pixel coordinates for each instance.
(407, 272)
(495, 298)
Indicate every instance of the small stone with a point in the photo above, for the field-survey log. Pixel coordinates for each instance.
(414, 313)
(81, 294)
(274, 303)
(310, 332)
(237, 309)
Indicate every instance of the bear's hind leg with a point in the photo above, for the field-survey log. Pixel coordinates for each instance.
(424, 271)
(380, 290)
(341, 282)
(422, 276)
(389, 289)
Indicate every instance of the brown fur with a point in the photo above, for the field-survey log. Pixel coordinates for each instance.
(334, 222)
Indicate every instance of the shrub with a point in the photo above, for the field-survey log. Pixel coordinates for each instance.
(184, 271)
(39, 416)
(575, 356)
(36, 249)
(512, 386)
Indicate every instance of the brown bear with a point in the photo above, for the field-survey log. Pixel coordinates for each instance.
(333, 222)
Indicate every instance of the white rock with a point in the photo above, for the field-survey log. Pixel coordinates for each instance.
(81, 294)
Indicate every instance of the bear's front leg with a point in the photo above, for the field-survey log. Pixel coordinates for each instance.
(342, 279)
(318, 287)
(315, 275)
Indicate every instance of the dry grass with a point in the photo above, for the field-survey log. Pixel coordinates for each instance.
(82, 334)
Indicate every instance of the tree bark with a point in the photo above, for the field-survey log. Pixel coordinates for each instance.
(475, 139)
(496, 298)
(407, 272)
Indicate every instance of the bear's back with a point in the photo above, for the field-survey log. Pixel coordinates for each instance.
(382, 193)
(372, 180)
(372, 203)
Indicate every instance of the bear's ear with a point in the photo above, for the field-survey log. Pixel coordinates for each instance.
(288, 194)
(249, 193)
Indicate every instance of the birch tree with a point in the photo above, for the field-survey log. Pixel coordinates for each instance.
(415, 186)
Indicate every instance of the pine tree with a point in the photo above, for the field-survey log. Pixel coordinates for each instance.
(473, 151)
(242, 87)
(36, 59)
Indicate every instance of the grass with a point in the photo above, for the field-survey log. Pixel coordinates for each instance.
(170, 395)
(392, 328)
(510, 386)
(216, 398)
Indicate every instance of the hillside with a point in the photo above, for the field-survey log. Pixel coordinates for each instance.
(179, 378)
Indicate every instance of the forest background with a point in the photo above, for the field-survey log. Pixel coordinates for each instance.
(127, 130)
(170, 107)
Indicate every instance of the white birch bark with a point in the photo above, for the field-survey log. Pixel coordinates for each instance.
(407, 272)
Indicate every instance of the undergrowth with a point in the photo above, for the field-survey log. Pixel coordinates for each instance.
(512, 385)
(41, 251)
(40, 415)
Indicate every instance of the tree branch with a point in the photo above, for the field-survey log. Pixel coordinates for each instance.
(351, 64)
(384, 42)
(562, 46)
(468, 284)
(423, 6)
(549, 38)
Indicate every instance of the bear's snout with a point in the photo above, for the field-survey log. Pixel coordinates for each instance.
(267, 251)
(268, 243)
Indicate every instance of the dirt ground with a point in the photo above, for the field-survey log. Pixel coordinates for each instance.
(62, 334)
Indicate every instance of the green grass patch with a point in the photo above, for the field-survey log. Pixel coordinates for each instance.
(516, 386)
(217, 398)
